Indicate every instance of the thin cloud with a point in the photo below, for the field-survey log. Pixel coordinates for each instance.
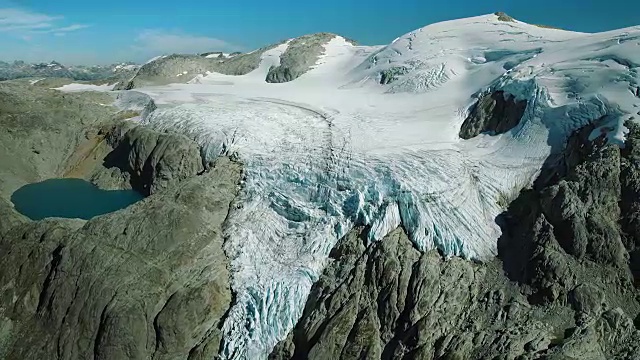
(70, 28)
(25, 23)
(158, 42)
(63, 30)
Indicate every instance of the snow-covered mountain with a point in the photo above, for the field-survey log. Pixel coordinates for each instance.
(21, 69)
(371, 136)
(300, 56)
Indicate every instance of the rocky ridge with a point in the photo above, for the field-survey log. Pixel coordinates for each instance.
(148, 281)
(21, 69)
(302, 53)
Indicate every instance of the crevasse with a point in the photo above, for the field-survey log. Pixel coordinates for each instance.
(295, 205)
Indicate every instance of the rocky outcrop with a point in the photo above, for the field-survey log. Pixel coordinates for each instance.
(389, 301)
(494, 113)
(242, 64)
(184, 68)
(392, 74)
(560, 289)
(504, 17)
(301, 54)
(169, 69)
(41, 129)
(146, 282)
(50, 134)
(149, 160)
(586, 207)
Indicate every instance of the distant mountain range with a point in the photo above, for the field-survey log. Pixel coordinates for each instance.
(21, 69)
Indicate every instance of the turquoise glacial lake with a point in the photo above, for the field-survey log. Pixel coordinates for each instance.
(70, 198)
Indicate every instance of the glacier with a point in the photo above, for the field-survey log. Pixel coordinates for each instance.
(336, 149)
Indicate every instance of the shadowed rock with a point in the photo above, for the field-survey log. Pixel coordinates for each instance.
(151, 160)
(494, 113)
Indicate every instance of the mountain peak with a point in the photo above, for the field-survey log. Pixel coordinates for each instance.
(502, 16)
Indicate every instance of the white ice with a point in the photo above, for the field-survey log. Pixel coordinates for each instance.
(335, 149)
(74, 87)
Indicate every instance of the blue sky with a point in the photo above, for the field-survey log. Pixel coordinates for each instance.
(81, 31)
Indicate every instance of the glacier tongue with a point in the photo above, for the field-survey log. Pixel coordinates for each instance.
(333, 150)
(302, 193)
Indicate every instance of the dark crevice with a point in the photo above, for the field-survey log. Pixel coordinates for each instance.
(56, 259)
(303, 348)
(101, 329)
(156, 326)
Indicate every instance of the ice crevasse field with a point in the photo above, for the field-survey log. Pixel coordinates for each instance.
(335, 148)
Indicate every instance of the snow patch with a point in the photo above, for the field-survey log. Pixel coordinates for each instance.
(85, 87)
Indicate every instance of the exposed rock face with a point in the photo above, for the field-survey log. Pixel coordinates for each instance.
(242, 64)
(50, 134)
(389, 301)
(170, 69)
(301, 54)
(504, 17)
(41, 129)
(183, 68)
(150, 160)
(390, 75)
(495, 113)
(573, 295)
(146, 282)
(585, 207)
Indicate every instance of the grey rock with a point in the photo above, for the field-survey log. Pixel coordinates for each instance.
(301, 54)
(183, 68)
(504, 17)
(494, 113)
(170, 69)
(21, 69)
(390, 75)
(41, 130)
(242, 64)
(146, 282)
(152, 160)
(389, 301)
(587, 299)
(135, 101)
